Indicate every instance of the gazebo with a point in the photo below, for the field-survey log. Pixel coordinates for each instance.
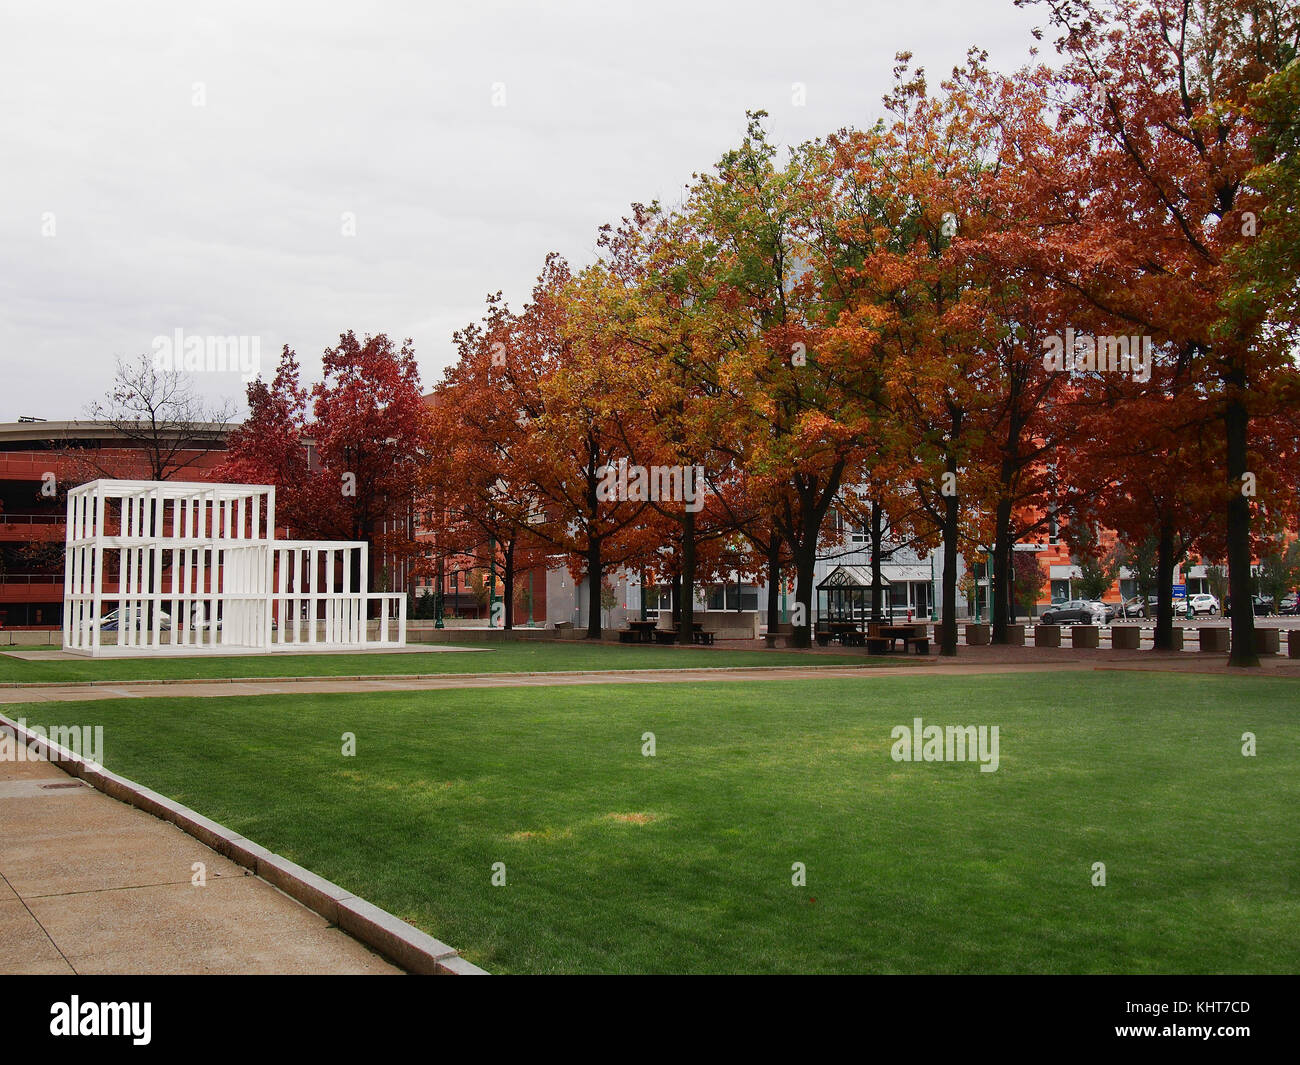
(847, 592)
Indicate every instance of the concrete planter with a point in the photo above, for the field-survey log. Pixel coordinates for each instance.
(1047, 635)
(977, 635)
(1214, 640)
(1084, 635)
(1016, 635)
(1267, 641)
(1125, 637)
(1293, 643)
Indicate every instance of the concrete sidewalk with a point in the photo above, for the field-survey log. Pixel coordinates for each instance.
(971, 662)
(91, 885)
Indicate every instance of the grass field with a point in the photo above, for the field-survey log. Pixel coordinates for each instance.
(524, 656)
(681, 862)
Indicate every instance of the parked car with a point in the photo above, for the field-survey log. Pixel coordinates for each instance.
(1290, 605)
(204, 625)
(1075, 611)
(1136, 607)
(1261, 604)
(111, 621)
(1203, 603)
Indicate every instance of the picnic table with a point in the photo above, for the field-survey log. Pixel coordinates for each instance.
(878, 636)
(645, 630)
(846, 632)
(698, 635)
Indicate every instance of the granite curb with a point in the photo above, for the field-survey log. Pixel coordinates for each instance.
(399, 942)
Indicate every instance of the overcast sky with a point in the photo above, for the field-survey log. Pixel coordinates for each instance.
(188, 166)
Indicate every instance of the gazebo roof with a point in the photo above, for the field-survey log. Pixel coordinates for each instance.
(850, 577)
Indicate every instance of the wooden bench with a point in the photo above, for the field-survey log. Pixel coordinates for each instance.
(878, 645)
(629, 636)
(700, 636)
(665, 635)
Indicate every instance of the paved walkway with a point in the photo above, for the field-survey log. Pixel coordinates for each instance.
(91, 885)
(970, 662)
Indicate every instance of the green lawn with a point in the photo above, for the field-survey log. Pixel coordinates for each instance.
(523, 656)
(618, 862)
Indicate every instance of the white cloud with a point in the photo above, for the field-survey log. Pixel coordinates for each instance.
(226, 218)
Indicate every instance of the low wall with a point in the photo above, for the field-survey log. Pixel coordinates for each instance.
(732, 625)
(31, 638)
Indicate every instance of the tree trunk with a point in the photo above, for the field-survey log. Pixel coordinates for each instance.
(594, 581)
(1000, 593)
(1164, 639)
(688, 578)
(1240, 590)
(948, 625)
(805, 565)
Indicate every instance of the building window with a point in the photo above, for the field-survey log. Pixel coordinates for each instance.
(731, 597)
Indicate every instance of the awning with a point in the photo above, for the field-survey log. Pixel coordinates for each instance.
(899, 572)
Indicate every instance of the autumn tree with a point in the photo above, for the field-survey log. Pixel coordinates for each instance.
(351, 466)
(476, 492)
(1157, 132)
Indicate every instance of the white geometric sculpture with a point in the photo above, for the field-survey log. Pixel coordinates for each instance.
(194, 567)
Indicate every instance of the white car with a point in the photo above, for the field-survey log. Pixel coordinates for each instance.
(1203, 603)
(112, 621)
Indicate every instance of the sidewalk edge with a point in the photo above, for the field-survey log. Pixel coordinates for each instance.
(395, 939)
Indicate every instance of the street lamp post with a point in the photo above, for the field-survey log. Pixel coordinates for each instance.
(442, 584)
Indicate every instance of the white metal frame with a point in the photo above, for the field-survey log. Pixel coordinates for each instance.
(208, 553)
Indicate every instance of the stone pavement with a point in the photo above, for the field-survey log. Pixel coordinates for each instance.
(91, 885)
(970, 661)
